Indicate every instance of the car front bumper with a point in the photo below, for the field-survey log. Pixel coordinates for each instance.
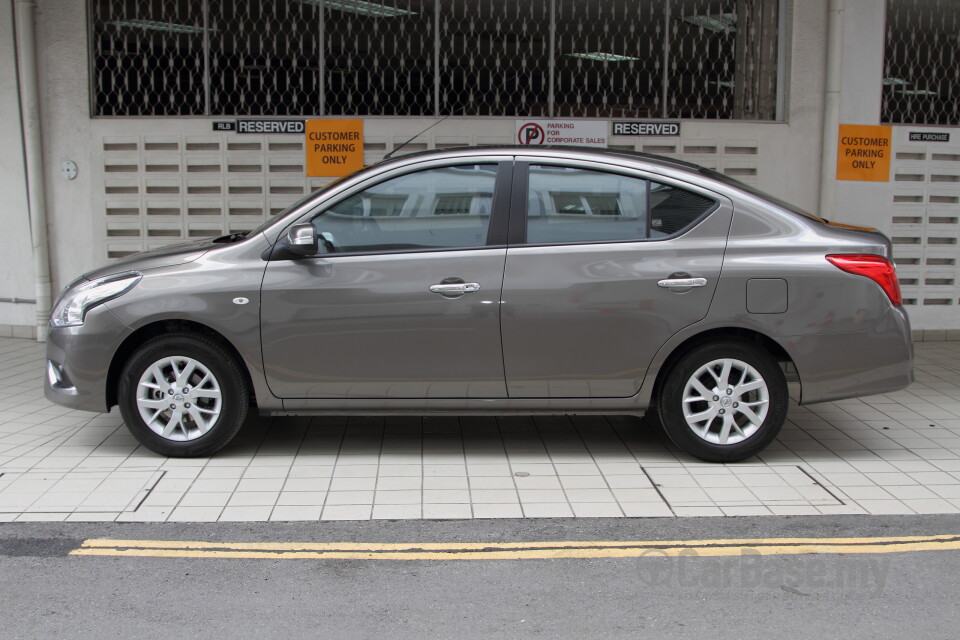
(78, 360)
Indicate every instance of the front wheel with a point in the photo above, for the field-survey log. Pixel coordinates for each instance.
(723, 402)
(183, 395)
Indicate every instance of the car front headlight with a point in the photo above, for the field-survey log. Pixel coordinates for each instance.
(73, 305)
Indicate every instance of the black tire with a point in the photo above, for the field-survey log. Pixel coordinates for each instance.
(187, 439)
(747, 434)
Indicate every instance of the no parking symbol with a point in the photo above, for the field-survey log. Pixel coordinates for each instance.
(531, 133)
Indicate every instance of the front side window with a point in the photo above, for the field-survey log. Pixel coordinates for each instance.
(570, 205)
(444, 208)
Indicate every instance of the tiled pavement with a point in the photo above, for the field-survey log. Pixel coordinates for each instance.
(896, 453)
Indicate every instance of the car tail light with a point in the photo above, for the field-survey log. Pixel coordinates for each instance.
(875, 267)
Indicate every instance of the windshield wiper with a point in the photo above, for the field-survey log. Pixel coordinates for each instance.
(233, 237)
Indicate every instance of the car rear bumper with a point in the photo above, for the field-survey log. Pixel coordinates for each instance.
(835, 366)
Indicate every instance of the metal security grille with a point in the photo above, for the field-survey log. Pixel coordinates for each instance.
(494, 57)
(148, 57)
(570, 58)
(262, 57)
(921, 82)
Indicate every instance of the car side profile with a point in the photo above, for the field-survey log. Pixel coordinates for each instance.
(494, 280)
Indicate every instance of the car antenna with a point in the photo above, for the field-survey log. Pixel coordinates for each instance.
(395, 149)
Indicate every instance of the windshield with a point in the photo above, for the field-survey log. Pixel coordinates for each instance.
(302, 201)
(299, 203)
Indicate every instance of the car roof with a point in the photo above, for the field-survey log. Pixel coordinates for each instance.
(564, 150)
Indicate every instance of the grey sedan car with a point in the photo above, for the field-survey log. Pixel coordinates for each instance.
(498, 281)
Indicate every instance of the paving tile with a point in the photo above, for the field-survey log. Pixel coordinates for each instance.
(596, 510)
(547, 510)
(646, 509)
(253, 498)
(596, 496)
(307, 484)
(347, 512)
(93, 516)
(355, 471)
(447, 511)
(931, 505)
(31, 516)
(946, 490)
(636, 495)
(542, 495)
(446, 496)
(401, 470)
(349, 498)
(290, 513)
(195, 514)
(893, 453)
(245, 514)
(205, 499)
(260, 484)
(398, 497)
(498, 496)
(481, 482)
(584, 482)
(910, 492)
(397, 512)
(353, 484)
(301, 499)
(481, 510)
(700, 512)
(885, 507)
(399, 483)
(145, 514)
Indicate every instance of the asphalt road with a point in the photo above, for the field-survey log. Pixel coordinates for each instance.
(47, 593)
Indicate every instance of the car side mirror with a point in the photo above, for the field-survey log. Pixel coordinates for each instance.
(300, 241)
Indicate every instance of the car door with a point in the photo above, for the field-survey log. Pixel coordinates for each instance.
(604, 267)
(403, 299)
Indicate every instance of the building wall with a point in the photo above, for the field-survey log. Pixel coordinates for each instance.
(16, 255)
(144, 182)
(919, 207)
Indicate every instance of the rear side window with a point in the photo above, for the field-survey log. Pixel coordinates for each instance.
(570, 205)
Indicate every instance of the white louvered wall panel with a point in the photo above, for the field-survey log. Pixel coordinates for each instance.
(924, 224)
(163, 189)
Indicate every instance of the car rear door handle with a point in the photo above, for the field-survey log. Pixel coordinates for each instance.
(458, 288)
(677, 283)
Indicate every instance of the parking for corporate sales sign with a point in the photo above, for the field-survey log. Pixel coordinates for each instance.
(587, 133)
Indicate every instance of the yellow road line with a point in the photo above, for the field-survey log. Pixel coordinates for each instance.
(512, 550)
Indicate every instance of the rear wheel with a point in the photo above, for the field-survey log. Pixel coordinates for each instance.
(183, 395)
(724, 401)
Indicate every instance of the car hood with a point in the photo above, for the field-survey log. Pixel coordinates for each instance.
(163, 257)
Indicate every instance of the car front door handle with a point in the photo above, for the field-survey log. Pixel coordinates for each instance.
(678, 283)
(455, 289)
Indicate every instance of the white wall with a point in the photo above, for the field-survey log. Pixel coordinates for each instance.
(16, 256)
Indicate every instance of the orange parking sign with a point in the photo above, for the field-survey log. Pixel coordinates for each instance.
(334, 147)
(863, 153)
